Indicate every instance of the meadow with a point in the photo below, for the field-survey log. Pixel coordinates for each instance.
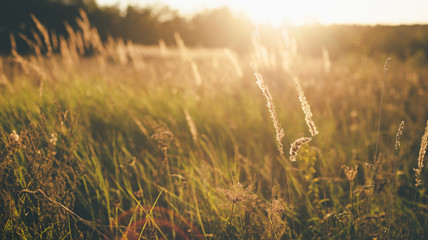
(112, 140)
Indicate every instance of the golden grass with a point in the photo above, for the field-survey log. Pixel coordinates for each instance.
(306, 108)
(422, 151)
(192, 127)
(271, 107)
(189, 173)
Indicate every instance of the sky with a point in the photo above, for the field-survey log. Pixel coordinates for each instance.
(299, 12)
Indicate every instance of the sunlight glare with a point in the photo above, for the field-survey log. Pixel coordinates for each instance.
(299, 12)
(278, 12)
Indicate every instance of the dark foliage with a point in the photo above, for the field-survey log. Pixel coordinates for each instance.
(39, 171)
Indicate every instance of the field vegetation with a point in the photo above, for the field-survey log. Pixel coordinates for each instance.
(114, 140)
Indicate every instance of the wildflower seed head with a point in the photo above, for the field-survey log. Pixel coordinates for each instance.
(53, 139)
(350, 172)
(14, 136)
(237, 193)
(139, 194)
(278, 206)
(344, 216)
(162, 136)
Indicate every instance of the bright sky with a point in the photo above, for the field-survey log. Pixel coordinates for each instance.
(303, 11)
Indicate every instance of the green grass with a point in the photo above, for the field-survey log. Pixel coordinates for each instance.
(125, 159)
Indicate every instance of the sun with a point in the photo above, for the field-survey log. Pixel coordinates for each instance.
(276, 12)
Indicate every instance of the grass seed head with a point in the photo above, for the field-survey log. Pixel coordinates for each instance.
(296, 145)
(398, 136)
(306, 108)
(192, 126)
(271, 107)
(422, 152)
(363, 189)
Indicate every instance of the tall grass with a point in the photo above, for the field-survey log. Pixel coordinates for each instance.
(115, 140)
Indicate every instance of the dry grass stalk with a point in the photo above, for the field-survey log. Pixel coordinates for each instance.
(196, 74)
(83, 23)
(386, 64)
(422, 152)
(326, 60)
(398, 136)
(385, 69)
(306, 108)
(80, 43)
(121, 52)
(25, 64)
(54, 39)
(30, 43)
(134, 55)
(37, 46)
(97, 43)
(44, 33)
(3, 78)
(397, 146)
(37, 38)
(89, 34)
(180, 44)
(192, 126)
(234, 62)
(12, 43)
(140, 125)
(71, 41)
(162, 47)
(65, 51)
(187, 57)
(256, 55)
(41, 89)
(271, 107)
(296, 145)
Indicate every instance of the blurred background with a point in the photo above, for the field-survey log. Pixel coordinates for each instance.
(391, 27)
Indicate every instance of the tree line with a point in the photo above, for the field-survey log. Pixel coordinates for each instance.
(214, 28)
(211, 28)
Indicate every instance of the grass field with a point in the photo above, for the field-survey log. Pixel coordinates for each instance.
(118, 141)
